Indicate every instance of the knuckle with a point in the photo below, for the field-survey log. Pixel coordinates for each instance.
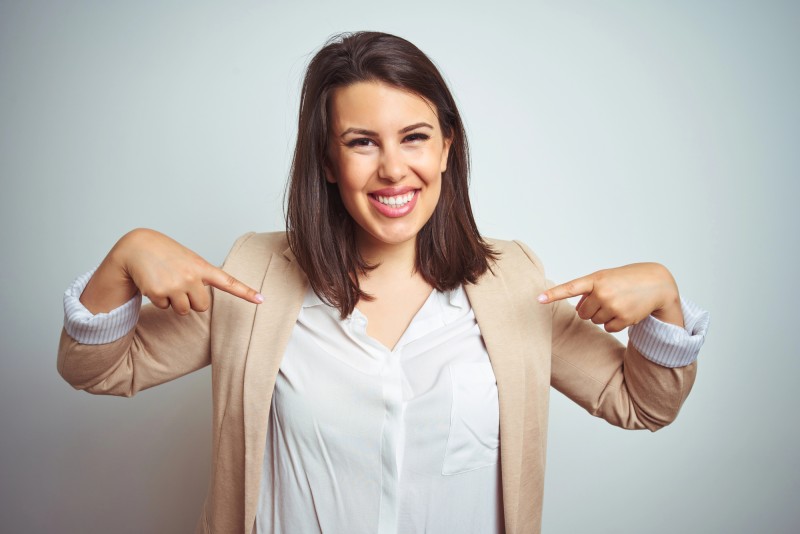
(199, 264)
(660, 267)
(158, 291)
(603, 293)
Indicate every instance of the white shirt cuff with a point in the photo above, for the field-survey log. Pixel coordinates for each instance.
(89, 329)
(668, 344)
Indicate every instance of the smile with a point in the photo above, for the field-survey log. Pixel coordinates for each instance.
(394, 205)
(396, 201)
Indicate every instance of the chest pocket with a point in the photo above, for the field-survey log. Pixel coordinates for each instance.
(474, 438)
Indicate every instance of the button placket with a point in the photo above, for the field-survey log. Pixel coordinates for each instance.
(393, 439)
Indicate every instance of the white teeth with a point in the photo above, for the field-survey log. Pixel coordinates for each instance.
(396, 201)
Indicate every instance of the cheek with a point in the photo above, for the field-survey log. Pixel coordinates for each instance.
(354, 172)
(428, 165)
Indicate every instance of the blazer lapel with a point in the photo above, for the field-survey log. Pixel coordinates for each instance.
(283, 288)
(491, 303)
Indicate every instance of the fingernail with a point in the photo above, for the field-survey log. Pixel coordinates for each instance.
(542, 298)
(259, 297)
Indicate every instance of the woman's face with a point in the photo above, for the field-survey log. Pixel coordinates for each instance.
(387, 155)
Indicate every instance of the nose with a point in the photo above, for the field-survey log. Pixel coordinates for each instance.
(393, 166)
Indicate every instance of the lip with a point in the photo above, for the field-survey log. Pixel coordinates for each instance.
(393, 191)
(390, 211)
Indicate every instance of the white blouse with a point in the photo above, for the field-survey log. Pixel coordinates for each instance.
(366, 439)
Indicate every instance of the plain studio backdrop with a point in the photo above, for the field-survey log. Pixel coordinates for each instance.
(602, 134)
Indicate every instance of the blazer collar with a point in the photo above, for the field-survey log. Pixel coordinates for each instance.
(289, 255)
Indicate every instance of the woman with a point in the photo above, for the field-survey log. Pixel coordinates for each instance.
(379, 367)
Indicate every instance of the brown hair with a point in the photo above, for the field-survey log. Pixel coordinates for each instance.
(321, 233)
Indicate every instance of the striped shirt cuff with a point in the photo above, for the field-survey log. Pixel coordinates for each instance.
(668, 344)
(89, 329)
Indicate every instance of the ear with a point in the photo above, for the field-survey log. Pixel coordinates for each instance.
(448, 141)
(329, 176)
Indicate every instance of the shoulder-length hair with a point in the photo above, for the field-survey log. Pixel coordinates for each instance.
(321, 234)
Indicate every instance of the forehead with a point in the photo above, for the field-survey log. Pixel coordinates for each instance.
(375, 104)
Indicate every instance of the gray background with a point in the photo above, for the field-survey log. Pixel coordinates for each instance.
(602, 134)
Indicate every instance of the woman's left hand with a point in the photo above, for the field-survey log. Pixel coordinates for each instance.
(620, 297)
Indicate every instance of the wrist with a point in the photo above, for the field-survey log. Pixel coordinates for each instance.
(110, 286)
(670, 312)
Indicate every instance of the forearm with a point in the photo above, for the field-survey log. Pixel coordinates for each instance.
(642, 385)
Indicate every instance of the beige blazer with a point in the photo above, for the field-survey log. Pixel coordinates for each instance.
(531, 346)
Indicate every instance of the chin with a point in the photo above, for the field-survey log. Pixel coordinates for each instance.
(399, 239)
(393, 238)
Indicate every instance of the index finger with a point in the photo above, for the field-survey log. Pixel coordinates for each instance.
(573, 288)
(218, 278)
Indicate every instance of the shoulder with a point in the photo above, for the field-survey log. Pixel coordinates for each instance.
(515, 256)
(517, 275)
(264, 242)
(257, 247)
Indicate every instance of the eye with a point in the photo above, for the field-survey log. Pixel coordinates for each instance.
(418, 137)
(361, 141)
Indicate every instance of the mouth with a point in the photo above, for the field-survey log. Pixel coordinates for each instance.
(396, 201)
(394, 205)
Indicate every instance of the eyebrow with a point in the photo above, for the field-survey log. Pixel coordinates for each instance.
(362, 131)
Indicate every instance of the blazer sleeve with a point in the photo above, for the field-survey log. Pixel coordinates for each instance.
(609, 379)
(161, 347)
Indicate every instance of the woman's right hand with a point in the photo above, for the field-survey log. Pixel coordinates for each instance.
(165, 271)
